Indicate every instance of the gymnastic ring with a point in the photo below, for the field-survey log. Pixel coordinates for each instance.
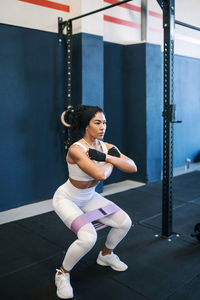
(63, 118)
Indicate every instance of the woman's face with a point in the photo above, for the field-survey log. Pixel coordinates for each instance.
(97, 126)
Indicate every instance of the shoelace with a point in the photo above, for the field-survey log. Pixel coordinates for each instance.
(116, 257)
(112, 255)
(63, 278)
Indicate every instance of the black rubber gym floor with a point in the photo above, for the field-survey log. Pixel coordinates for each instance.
(31, 249)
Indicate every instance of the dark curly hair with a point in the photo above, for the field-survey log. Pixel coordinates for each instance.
(78, 119)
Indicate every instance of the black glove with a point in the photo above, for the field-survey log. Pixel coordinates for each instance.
(96, 155)
(114, 152)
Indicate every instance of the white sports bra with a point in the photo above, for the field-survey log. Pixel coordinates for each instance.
(76, 173)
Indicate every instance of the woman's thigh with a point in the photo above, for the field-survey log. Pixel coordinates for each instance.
(97, 201)
(113, 220)
(66, 209)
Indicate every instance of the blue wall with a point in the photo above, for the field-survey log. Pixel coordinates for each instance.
(88, 72)
(134, 93)
(31, 94)
(33, 81)
(87, 69)
(129, 78)
(133, 76)
(154, 105)
(187, 99)
(114, 101)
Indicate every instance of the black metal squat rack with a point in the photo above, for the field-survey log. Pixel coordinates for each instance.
(168, 8)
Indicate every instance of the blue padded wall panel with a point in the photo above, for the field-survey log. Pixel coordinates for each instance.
(154, 106)
(142, 83)
(31, 93)
(87, 72)
(114, 101)
(187, 99)
(134, 96)
(92, 74)
(92, 70)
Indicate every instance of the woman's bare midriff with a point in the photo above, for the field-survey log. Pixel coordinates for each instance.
(83, 184)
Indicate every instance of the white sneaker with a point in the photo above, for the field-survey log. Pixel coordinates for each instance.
(64, 288)
(111, 260)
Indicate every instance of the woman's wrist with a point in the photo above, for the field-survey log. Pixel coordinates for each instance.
(109, 158)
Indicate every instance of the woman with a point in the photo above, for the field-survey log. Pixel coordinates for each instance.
(89, 161)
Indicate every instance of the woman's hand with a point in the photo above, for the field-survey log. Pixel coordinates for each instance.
(119, 160)
(114, 152)
(100, 156)
(96, 155)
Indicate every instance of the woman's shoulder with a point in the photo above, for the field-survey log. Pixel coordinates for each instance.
(76, 151)
(78, 145)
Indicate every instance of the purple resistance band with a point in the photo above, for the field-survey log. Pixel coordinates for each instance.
(94, 215)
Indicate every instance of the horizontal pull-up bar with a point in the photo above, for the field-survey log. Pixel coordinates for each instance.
(96, 11)
(187, 25)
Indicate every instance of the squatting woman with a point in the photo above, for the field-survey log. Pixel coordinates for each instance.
(89, 161)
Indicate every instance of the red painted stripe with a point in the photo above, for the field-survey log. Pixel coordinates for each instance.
(155, 14)
(155, 30)
(125, 5)
(135, 8)
(49, 4)
(121, 22)
(129, 24)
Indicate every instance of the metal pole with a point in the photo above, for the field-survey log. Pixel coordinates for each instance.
(187, 25)
(144, 20)
(98, 10)
(168, 115)
(69, 62)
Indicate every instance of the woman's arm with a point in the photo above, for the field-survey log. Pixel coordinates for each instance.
(123, 162)
(88, 166)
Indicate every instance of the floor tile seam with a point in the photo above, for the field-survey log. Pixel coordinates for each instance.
(185, 201)
(149, 226)
(196, 204)
(30, 265)
(182, 286)
(40, 235)
(189, 240)
(150, 218)
(130, 288)
(149, 192)
(198, 198)
(160, 213)
(178, 198)
(181, 237)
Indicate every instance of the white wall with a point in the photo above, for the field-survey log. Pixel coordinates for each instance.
(92, 24)
(187, 41)
(24, 14)
(120, 24)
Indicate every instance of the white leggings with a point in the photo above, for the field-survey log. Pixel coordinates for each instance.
(69, 203)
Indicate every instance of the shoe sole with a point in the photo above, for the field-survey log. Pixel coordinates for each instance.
(99, 262)
(62, 297)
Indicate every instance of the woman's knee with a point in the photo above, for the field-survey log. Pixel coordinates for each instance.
(87, 239)
(127, 222)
